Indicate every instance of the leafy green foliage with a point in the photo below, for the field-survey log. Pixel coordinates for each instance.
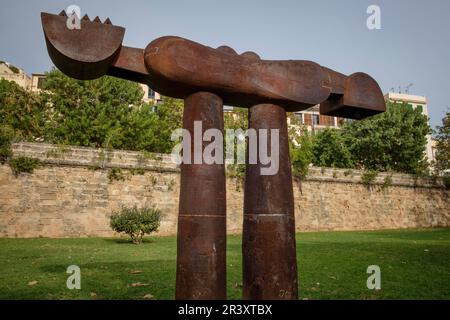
(332, 149)
(14, 69)
(21, 110)
(23, 164)
(236, 120)
(136, 222)
(394, 140)
(442, 162)
(391, 141)
(446, 181)
(169, 116)
(301, 155)
(93, 113)
(368, 177)
(6, 135)
(387, 182)
(115, 174)
(102, 113)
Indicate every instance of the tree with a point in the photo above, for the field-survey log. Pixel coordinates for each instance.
(391, 141)
(23, 111)
(332, 149)
(169, 116)
(236, 120)
(108, 112)
(301, 144)
(302, 154)
(442, 162)
(97, 113)
(394, 140)
(6, 136)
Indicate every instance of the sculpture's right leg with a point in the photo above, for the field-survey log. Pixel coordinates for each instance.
(268, 240)
(201, 242)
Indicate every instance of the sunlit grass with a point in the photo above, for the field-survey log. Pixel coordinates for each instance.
(332, 265)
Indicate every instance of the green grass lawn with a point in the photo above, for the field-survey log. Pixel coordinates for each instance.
(415, 264)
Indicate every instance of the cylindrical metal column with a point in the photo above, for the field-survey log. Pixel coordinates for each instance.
(201, 242)
(269, 250)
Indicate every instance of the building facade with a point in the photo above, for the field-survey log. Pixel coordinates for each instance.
(17, 75)
(313, 121)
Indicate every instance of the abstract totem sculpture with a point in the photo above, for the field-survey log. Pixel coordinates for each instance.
(207, 78)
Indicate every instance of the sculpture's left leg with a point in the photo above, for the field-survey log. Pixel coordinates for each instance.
(201, 242)
(269, 251)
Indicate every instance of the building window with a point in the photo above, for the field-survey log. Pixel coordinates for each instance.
(299, 117)
(151, 93)
(315, 119)
(40, 83)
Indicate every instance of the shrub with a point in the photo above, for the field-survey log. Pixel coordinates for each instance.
(387, 182)
(446, 180)
(115, 174)
(6, 135)
(136, 222)
(368, 177)
(302, 156)
(23, 164)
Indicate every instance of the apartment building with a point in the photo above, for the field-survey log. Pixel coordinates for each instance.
(12, 73)
(314, 121)
(150, 96)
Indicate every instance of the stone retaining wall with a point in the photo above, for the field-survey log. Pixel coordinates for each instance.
(72, 195)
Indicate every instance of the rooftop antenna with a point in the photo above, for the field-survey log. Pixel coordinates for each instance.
(408, 87)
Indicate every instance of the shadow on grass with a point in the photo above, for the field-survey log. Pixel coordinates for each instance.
(108, 280)
(128, 241)
(434, 234)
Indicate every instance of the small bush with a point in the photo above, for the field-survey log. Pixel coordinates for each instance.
(6, 136)
(136, 222)
(115, 174)
(348, 172)
(446, 180)
(387, 182)
(14, 69)
(368, 178)
(23, 164)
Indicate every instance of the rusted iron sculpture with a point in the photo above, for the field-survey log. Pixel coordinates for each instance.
(207, 78)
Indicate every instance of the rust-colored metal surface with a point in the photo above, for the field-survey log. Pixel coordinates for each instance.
(268, 247)
(201, 242)
(178, 67)
(206, 78)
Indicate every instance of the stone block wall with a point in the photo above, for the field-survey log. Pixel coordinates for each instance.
(72, 195)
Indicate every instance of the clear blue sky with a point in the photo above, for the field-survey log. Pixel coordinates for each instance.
(413, 45)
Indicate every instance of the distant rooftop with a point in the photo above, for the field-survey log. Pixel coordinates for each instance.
(393, 96)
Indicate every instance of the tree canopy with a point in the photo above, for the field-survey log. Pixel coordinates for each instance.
(442, 163)
(110, 113)
(391, 141)
(106, 112)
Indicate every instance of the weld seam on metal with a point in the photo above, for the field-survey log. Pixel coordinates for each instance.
(201, 215)
(267, 214)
